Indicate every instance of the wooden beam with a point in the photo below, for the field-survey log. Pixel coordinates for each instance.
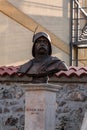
(86, 3)
(8, 9)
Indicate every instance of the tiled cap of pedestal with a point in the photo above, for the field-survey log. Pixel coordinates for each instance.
(73, 75)
(73, 71)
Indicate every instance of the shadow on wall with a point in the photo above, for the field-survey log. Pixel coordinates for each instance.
(16, 3)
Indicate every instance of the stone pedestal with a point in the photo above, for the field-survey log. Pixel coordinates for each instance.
(40, 106)
(84, 124)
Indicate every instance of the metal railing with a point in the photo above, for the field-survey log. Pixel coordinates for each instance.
(78, 31)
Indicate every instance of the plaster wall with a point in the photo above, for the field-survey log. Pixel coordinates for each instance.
(16, 41)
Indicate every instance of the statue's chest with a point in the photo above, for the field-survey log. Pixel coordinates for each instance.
(36, 68)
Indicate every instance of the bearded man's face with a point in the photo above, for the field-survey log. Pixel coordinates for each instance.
(42, 46)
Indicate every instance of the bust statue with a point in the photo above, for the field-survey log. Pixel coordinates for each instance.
(43, 64)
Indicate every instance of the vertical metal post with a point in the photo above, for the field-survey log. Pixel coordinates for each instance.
(71, 25)
(76, 56)
(71, 53)
(77, 16)
(77, 34)
(77, 24)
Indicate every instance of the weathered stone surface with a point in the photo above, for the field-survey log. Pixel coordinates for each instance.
(40, 106)
(77, 96)
(11, 121)
(20, 109)
(6, 110)
(62, 103)
(72, 105)
(11, 107)
(0, 110)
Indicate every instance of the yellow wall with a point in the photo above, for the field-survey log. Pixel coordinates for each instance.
(16, 40)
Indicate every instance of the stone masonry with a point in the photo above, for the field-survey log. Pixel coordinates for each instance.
(11, 107)
(71, 106)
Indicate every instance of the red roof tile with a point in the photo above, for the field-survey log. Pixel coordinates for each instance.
(78, 71)
(11, 70)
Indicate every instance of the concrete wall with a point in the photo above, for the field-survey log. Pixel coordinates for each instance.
(16, 41)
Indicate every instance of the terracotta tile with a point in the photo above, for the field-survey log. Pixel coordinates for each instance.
(78, 71)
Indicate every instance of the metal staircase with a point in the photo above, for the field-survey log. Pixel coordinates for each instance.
(78, 31)
(83, 36)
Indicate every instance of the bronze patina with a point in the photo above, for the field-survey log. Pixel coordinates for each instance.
(43, 64)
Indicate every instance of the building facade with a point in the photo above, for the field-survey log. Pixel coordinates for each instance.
(18, 21)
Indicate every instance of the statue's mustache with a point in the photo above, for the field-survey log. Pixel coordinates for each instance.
(42, 47)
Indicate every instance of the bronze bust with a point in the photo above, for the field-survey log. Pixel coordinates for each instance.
(43, 64)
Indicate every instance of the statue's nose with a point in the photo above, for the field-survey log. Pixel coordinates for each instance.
(42, 43)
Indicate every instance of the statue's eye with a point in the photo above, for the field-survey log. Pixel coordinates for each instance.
(39, 42)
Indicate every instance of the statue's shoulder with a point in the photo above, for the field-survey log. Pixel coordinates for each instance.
(26, 66)
(59, 63)
(54, 58)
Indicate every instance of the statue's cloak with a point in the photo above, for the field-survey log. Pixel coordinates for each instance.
(49, 65)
